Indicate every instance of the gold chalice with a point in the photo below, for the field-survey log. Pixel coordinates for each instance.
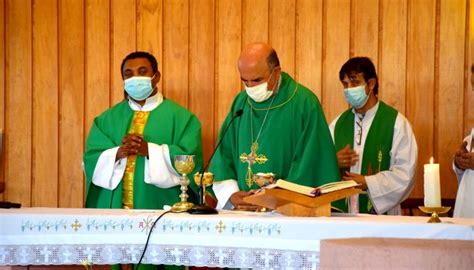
(184, 165)
(262, 180)
(207, 180)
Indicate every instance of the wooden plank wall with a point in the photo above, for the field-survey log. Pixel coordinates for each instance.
(60, 59)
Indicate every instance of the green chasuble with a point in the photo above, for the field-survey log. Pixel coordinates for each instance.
(168, 124)
(377, 146)
(295, 139)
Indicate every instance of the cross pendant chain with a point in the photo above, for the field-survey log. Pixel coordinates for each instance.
(252, 158)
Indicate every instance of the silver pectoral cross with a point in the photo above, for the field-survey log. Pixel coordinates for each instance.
(252, 158)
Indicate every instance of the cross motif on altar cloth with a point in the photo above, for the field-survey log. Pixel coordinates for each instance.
(76, 225)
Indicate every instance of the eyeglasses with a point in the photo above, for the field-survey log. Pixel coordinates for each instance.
(359, 129)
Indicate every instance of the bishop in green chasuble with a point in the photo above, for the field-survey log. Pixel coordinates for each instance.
(286, 134)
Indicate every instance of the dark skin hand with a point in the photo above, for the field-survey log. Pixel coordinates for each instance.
(463, 159)
(359, 178)
(132, 144)
(346, 157)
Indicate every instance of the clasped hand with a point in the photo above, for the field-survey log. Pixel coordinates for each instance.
(132, 144)
(346, 158)
(463, 159)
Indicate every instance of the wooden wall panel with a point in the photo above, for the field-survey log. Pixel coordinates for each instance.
(451, 87)
(2, 84)
(60, 68)
(282, 29)
(393, 53)
(18, 96)
(254, 21)
(175, 51)
(202, 69)
(71, 102)
(469, 92)
(335, 54)
(228, 46)
(365, 29)
(45, 104)
(421, 80)
(97, 55)
(309, 26)
(123, 40)
(2, 65)
(150, 30)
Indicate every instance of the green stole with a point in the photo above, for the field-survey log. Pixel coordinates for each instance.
(377, 146)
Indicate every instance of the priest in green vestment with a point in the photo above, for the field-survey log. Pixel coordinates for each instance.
(282, 130)
(131, 147)
(375, 144)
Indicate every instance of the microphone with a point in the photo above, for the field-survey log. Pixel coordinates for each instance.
(203, 209)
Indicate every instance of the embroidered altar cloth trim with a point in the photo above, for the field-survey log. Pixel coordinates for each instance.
(230, 239)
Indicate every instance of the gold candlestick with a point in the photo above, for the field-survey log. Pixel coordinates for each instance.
(434, 211)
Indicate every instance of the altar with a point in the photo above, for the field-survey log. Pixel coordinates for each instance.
(60, 236)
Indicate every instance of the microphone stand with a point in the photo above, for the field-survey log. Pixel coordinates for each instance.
(202, 208)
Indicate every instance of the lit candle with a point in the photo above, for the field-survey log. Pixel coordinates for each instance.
(431, 183)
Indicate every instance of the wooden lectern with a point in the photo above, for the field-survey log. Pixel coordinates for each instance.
(291, 203)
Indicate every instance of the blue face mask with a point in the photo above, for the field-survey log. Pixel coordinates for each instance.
(138, 87)
(356, 96)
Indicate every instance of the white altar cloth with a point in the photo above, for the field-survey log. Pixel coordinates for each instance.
(55, 236)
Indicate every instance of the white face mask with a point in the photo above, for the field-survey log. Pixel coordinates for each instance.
(139, 87)
(259, 93)
(356, 96)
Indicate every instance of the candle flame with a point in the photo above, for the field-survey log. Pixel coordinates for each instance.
(431, 160)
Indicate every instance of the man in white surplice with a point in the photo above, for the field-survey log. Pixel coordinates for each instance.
(375, 144)
(463, 166)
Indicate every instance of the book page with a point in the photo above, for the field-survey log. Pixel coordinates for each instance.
(310, 191)
(330, 187)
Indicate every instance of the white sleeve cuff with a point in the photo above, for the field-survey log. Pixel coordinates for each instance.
(371, 182)
(223, 190)
(107, 172)
(158, 168)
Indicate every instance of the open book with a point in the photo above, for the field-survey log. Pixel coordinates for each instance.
(310, 191)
